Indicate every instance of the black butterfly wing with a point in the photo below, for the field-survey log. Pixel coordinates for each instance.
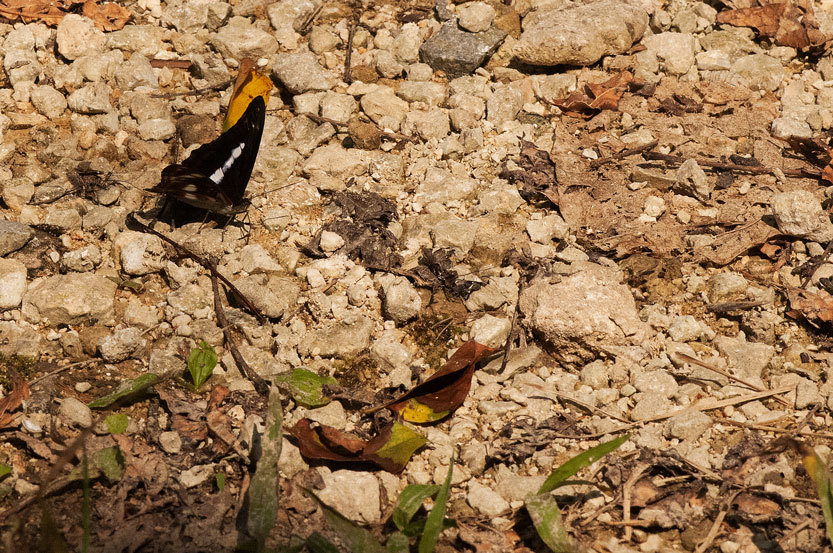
(215, 175)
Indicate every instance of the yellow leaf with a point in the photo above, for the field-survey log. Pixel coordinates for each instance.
(417, 412)
(250, 84)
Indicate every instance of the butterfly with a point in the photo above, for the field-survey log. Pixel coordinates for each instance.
(215, 175)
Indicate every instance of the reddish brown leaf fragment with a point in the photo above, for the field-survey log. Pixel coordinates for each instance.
(447, 388)
(810, 305)
(107, 16)
(172, 64)
(390, 450)
(790, 23)
(10, 403)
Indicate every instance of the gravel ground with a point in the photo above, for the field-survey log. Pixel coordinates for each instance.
(627, 193)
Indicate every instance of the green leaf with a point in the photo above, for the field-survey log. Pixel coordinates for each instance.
(4, 470)
(398, 543)
(434, 523)
(306, 387)
(263, 490)
(356, 538)
(127, 388)
(116, 423)
(220, 480)
(201, 363)
(578, 462)
(409, 502)
(543, 510)
(399, 447)
(317, 543)
(109, 462)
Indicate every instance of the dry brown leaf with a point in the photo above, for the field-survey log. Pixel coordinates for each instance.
(45, 11)
(108, 16)
(598, 97)
(730, 245)
(810, 305)
(10, 403)
(790, 23)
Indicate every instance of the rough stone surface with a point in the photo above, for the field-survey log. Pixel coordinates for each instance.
(77, 36)
(579, 35)
(799, 213)
(12, 283)
(301, 72)
(458, 52)
(586, 310)
(69, 299)
(353, 494)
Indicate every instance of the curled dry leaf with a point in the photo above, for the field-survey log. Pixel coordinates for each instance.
(107, 16)
(597, 96)
(10, 403)
(45, 11)
(444, 391)
(390, 450)
(790, 23)
(810, 305)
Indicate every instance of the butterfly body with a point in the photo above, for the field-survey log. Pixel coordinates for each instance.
(215, 175)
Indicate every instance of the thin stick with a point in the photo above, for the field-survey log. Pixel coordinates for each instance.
(508, 345)
(751, 385)
(260, 385)
(596, 163)
(774, 429)
(195, 92)
(348, 77)
(211, 267)
(626, 498)
(816, 264)
(733, 306)
(794, 531)
(713, 531)
(60, 370)
(721, 166)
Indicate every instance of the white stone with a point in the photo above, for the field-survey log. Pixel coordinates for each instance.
(12, 283)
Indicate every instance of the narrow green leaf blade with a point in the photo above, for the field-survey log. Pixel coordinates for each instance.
(543, 510)
(263, 490)
(4, 470)
(317, 543)
(306, 387)
(201, 363)
(580, 461)
(434, 522)
(409, 502)
(356, 538)
(127, 388)
(398, 543)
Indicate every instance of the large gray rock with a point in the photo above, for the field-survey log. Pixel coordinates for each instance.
(13, 236)
(242, 41)
(580, 35)
(584, 312)
(69, 299)
(799, 213)
(458, 52)
(77, 36)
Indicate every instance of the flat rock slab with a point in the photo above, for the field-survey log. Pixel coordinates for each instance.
(586, 310)
(459, 52)
(580, 35)
(69, 299)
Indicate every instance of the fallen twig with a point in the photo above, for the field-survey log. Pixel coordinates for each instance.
(816, 264)
(722, 166)
(624, 153)
(713, 531)
(725, 307)
(348, 77)
(208, 265)
(195, 92)
(259, 383)
(638, 471)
